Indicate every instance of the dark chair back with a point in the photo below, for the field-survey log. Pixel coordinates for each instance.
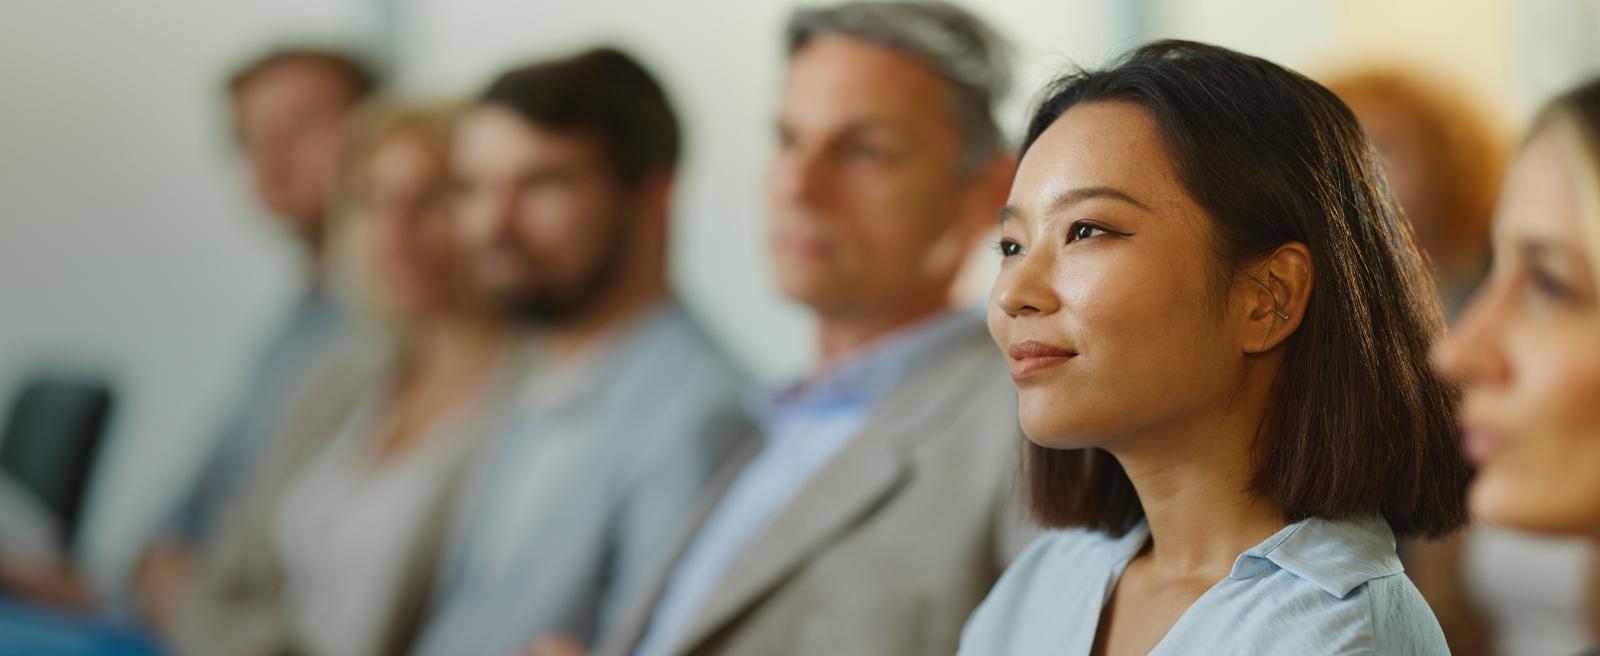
(51, 438)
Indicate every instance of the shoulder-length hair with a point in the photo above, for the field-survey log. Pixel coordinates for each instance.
(1362, 425)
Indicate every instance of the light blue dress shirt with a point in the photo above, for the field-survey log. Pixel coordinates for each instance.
(1315, 587)
(805, 426)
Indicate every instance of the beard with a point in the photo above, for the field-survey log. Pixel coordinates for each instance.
(549, 298)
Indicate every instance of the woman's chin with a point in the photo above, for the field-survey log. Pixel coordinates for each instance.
(1502, 499)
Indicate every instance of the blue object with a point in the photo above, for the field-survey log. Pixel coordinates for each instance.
(27, 630)
(1316, 587)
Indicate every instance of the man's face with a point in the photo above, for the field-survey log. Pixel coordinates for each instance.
(866, 206)
(542, 212)
(291, 120)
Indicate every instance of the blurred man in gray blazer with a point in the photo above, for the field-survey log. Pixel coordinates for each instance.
(565, 173)
(883, 503)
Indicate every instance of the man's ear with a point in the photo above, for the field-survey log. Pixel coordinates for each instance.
(655, 196)
(987, 192)
(1279, 291)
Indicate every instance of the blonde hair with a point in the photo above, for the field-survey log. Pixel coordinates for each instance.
(1574, 119)
(430, 124)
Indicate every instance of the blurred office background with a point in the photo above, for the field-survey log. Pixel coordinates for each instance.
(130, 246)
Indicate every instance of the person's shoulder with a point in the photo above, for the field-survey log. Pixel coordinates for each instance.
(1053, 564)
(1384, 615)
(684, 346)
(1402, 621)
(1062, 550)
(1052, 581)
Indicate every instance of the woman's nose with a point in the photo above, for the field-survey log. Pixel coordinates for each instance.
(1023, 287)
(1473, 352)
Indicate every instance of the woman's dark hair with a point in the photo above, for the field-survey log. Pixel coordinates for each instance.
(1362, 425)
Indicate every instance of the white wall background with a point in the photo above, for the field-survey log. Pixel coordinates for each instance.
(128, 243)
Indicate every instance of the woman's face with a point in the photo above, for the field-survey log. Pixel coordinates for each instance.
(1528, 349)
(1105, 302)
(411, 249)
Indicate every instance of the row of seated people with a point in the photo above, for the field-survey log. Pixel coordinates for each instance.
(490, 428)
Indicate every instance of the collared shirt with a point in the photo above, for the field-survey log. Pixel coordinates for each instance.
(315, 323)
(805, 426)
(1315, 587)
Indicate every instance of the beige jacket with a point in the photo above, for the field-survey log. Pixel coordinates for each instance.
(889, 548)
(234, 605)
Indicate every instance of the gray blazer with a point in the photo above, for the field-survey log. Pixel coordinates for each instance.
(657, 420)
(889, 548)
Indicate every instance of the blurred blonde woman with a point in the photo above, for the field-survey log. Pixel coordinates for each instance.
(1495, 591)
(1528, 347)
(332, 551)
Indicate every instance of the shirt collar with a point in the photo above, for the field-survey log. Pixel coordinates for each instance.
(1337, 556)
(870, 373)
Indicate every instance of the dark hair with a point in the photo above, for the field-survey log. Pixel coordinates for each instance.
(1362, 425)
(971, 56)
(358, 79)
(604, 91)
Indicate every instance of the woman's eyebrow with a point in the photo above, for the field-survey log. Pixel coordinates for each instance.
(1074, 196)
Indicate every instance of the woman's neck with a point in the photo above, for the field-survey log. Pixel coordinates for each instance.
(1195, 484)
(449, 359)
(455, 346)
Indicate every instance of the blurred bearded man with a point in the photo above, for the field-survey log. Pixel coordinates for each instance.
(565, 173)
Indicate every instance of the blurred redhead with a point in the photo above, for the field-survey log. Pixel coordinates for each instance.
(1443, 158)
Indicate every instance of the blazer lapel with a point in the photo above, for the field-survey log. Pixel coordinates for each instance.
(861, 479)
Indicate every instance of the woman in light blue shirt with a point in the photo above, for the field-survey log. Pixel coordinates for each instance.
(1219, 329)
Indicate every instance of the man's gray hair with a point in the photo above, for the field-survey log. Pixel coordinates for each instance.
(970, 55)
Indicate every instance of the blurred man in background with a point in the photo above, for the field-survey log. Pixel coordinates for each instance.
(882, 505)
(565, 172)
(291, 111)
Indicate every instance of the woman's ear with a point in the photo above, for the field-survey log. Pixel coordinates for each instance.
(1280, 292)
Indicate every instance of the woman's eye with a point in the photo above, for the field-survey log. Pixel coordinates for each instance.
(862, 151)
(1083, 231)
(1009, 248)
(1548, 285)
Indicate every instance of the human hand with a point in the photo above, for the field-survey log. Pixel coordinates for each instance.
(556, 645)
(58, 586)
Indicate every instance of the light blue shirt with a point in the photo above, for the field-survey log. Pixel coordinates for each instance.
(805, 426)
(1315, 587)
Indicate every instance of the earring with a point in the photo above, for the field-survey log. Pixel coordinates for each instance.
(1280, 314)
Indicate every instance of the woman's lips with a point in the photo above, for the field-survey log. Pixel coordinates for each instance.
(1481, 443)
(1028, 357)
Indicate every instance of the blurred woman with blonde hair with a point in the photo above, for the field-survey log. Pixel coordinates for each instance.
(1528, 348)
(332, 551)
